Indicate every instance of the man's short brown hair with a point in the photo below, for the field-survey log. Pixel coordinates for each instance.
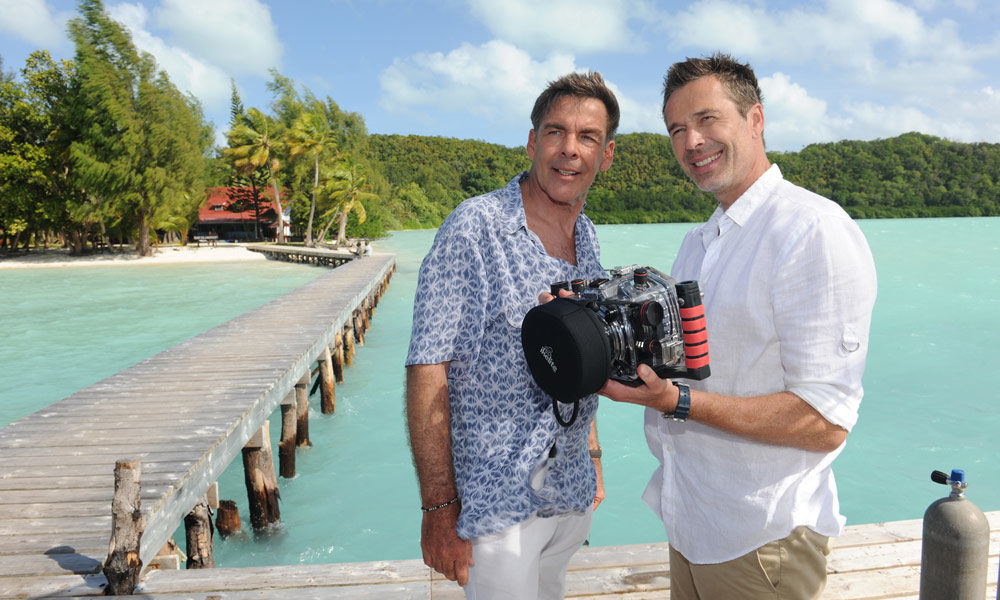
(737, 78)
(578, 85)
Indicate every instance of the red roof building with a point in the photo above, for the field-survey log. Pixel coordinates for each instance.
(221, 215)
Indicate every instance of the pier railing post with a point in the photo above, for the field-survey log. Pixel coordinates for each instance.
(123, 565)
(261, 481)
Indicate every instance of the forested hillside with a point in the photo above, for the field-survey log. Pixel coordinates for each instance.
(912, 175)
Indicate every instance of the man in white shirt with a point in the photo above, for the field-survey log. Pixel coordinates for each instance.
(745, 487)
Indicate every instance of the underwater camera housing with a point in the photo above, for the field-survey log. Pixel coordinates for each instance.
(636, 315)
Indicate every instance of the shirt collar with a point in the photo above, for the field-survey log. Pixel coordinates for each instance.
(512, 216)
(739, 212)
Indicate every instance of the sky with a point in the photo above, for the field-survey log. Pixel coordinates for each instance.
(471, 69)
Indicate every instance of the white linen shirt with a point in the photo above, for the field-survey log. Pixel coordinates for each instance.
(789, 286)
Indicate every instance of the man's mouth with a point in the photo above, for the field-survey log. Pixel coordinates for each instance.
(565, 172)
(705, 161)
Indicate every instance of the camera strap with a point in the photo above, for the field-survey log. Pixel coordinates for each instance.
(572, 419)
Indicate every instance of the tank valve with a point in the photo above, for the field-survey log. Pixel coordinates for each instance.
(956, 480)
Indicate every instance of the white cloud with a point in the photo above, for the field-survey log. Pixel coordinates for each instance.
(204, 80)
(791, 115)
(882, 67)
(496, 80)
(637, 115)
(237, 35)
(577, 26)
(34, 22)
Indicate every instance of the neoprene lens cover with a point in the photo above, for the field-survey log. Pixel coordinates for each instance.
(567, 350)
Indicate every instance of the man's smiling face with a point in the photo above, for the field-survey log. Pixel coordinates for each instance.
(719, 148)
(569, 148)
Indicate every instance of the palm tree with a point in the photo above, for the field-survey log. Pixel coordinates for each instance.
(255, 144)
(311, 133)
(346, 190)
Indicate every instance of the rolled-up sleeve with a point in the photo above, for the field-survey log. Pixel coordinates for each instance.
(822, 300)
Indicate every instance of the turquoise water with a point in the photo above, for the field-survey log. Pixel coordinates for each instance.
(930, 403)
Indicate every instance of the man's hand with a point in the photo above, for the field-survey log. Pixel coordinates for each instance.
(443, 550)
(599, 496)
(656, 393)
(545, 297)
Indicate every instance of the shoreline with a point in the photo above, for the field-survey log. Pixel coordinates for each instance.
(165, 254)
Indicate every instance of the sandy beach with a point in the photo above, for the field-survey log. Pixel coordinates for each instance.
(60, 258)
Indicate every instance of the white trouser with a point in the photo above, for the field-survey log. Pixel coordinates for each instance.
(527, 561)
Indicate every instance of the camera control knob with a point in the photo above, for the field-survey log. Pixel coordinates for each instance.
(639, 278)
(651, 313)
(577, 285)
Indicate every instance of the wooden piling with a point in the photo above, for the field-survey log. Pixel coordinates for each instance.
(302, 411)
(359, 327)
(227, 519)
(261, 481)
(338, 357)
(123, 565)
(200, 535)
(348, 344)
(328, 402)
(289, 435)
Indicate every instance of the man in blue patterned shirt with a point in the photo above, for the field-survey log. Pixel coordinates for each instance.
(507, 492)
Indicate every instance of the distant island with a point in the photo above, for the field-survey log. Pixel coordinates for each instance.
(911, 175)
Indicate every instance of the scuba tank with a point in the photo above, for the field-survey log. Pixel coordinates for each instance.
(956, 545)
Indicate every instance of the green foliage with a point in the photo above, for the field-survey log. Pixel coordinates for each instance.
(912, 175)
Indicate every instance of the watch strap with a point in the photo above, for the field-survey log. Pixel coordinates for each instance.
(683, 408)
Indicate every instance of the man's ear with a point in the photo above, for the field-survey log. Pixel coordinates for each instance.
(609, 156)
(756, 119)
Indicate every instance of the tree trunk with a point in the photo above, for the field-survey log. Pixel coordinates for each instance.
(281, 211)
(342, 231)
(256, 209)
(326, 228)
(312, 209)
(143, 248)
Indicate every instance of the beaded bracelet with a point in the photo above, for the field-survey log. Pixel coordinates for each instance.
(431, 508)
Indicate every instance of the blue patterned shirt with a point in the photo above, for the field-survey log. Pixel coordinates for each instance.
(483, 273)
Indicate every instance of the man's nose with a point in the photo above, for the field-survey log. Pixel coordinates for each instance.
(693, 138)
(571, 146)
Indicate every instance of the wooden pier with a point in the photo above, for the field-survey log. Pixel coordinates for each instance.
(868, 562)
(301, 254)
(185, 413)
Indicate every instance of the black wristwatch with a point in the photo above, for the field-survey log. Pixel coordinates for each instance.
(683, 403)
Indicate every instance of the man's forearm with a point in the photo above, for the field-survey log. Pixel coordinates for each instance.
(428, 422)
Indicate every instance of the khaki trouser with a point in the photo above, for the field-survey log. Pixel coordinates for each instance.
(793, 568)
